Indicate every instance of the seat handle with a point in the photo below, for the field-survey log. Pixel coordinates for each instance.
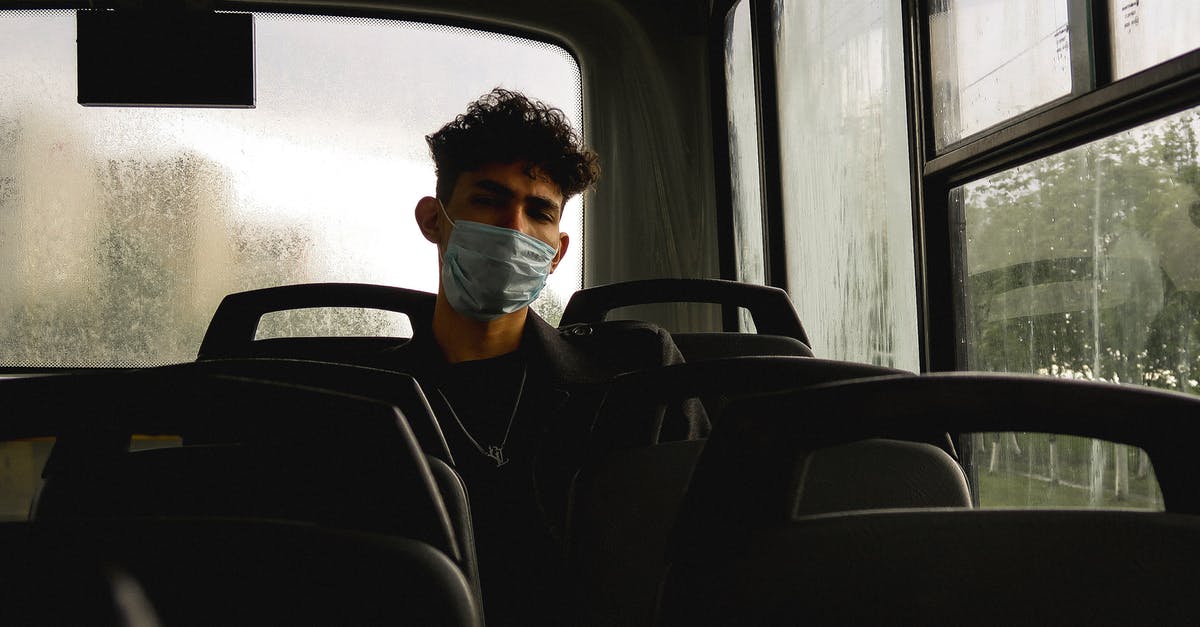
(769, 307)
(236, 319)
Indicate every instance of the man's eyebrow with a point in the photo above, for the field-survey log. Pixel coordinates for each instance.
(542, 202)
(496, 187)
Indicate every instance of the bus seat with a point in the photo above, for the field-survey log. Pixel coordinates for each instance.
(631, 412)
(744, 511)
(880, 474)
(233, 327)
(948, 567)
(141, 573)
(453, 491)
(779, 331)
(719, 345)
(249, 449)
(388, 386)
(626, 497)
(393, 388)
(622, 508)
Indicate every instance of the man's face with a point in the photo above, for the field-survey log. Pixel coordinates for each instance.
(504, 195)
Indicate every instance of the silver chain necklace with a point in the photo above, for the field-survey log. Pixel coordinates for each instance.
(494, 452)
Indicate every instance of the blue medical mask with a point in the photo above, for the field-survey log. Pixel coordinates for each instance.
(489, 271)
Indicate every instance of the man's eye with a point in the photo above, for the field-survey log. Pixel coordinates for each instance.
(490, 201)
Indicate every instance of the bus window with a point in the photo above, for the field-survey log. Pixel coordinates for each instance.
(1062, 206)
(1149, 32)
(1083, 265)
(333, 322)
(846, 179)
(982, 55)
(122, 228)
(743, 152)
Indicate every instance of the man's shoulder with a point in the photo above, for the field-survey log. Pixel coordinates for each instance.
(619, 330)
(623, 344)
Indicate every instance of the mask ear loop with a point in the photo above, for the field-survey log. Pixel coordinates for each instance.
(443, 210)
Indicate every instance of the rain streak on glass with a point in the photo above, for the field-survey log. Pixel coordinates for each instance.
(995, 59)
(846, 188)
(1086, 265)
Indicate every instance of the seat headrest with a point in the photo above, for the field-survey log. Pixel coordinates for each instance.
(879, 474)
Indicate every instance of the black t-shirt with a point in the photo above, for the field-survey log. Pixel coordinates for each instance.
(519, 515)
(478, 401)
(482, 398)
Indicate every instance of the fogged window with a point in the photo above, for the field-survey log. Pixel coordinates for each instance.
(846, 189)
(995, 60)
(333, 322)
(743, 150)
(1148, 32)
(1086, 264)
(121, 229)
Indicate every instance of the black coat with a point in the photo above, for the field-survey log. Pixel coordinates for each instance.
(520, 510)
(569, 369)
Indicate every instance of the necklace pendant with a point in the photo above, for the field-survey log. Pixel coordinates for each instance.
(496, 453)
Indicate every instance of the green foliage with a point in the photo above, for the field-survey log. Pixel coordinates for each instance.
(1086, 263)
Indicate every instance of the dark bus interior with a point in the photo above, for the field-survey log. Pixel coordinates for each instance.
(933, 267)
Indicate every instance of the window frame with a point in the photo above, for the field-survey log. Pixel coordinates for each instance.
(770, 176)
(1097, 107)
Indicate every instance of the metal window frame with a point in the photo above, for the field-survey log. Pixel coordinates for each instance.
(769, 141)
(1098, 107)
(769, 144)
(727, 244)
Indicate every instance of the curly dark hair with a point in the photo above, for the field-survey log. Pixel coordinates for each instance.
(507, 127)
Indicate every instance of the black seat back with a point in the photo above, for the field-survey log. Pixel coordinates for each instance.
(251, 449)
(634, 403)
(224, 572)
(779, 331)
(748, 491)
(760, 440)
(453, 491)
(948, 567)
(390, 387)
(626, 496)
(232, 330)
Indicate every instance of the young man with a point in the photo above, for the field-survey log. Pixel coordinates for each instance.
(516, 397)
